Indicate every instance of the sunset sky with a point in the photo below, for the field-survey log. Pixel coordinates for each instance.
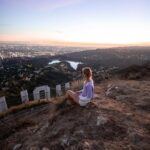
(83, 21)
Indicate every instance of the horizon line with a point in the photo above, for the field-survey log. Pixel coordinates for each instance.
(80, 44)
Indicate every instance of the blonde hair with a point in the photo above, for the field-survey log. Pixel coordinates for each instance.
(87, 72)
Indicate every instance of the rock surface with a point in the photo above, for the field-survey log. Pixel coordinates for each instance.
(17, 146)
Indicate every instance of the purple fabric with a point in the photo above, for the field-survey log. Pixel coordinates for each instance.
(88, 90)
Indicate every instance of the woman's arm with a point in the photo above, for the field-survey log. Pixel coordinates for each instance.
(79, 92)
(89, 90)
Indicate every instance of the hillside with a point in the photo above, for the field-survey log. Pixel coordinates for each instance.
(136, 72)
(117, 119)
(121, 57)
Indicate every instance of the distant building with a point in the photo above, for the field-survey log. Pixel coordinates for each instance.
(1, 65)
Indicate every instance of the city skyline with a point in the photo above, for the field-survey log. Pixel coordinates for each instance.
(75, 22)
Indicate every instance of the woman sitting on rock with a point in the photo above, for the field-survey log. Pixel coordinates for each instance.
(85, 95)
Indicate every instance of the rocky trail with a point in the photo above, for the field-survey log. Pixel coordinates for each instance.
(118, 119)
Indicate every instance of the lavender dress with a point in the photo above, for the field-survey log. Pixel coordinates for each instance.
(87, 93)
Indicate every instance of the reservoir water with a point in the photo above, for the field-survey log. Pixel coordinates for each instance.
(73, 64)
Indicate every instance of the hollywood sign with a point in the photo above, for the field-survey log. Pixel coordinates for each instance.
(41, 92)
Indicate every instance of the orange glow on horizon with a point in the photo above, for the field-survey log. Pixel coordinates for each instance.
(32, 40)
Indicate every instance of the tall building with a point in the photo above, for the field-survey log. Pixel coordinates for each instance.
(1, 65)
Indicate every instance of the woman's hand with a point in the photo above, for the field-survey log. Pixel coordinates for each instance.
(79, 92)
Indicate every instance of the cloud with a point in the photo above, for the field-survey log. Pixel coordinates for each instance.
(58, 32)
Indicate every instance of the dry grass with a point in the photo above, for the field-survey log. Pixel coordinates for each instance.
(77, 85)
(27, 105)
(58, 100)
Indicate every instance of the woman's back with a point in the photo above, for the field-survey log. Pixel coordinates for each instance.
(88, 89)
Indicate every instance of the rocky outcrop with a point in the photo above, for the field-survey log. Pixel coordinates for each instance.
(119, 92)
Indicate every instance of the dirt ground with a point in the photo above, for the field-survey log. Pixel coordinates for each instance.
(119, 121)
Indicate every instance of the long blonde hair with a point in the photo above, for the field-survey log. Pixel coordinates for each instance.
(87, 73)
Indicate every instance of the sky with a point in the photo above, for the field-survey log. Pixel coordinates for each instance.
(79, 21)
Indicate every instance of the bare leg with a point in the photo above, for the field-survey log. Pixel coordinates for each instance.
(73, 96)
